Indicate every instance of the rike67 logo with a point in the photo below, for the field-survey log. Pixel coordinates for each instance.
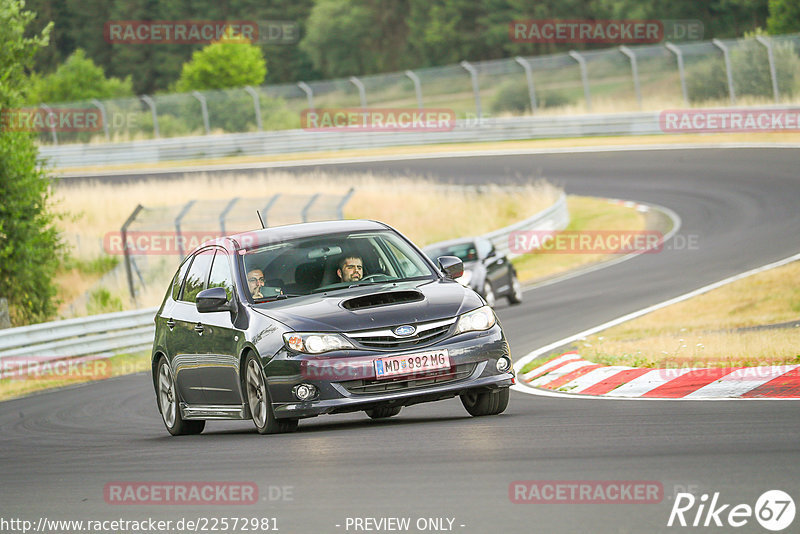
(774, 510)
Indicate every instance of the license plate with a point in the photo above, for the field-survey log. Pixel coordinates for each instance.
(408, 364)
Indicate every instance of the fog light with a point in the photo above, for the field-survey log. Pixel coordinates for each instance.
(305, 392)
(503, 364)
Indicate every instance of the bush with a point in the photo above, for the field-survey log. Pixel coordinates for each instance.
(223, 65)
(78, 78)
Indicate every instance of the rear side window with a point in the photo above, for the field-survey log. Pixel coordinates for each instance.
(178, 281)
(221, 274)
(198, 274)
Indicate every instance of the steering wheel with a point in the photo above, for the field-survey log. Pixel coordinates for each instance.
(372, 276)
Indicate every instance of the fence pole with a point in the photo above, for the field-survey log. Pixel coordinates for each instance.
(587, 94)
(729, 71)
(362, 92)
(256, 106)
(304, 213)
(473, 74)
(225, 212)
(681, 71)
(50, 112)
(345, 200)
(635, 72)
(309, 93)
(178, 219)
(103, 116)
(529, 77)
(271, 203)
(772, 72)
(203, 109)
(124, 234)
(417, 87)
(152, 105)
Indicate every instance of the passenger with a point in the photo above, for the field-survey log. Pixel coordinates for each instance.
(351, 269)
(255, 281)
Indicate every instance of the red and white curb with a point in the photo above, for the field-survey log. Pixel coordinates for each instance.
(569, 373)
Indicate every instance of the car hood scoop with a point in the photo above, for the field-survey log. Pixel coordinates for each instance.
(388, 298)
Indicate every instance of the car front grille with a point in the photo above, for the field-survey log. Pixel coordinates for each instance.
(385, 339)
(434, 378)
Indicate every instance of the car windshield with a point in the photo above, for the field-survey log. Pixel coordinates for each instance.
(326, 263)
(463, 251)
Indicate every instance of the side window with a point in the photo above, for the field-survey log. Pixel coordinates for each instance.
(221, 274)
(178, 281)
(198, 272)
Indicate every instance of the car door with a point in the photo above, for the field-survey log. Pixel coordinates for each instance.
(185, 342)
(496, 267)
(218, 357)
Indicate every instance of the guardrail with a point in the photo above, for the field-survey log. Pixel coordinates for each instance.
(131, 331)
(293, 141)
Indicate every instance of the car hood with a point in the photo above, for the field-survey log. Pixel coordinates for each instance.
(417, 301)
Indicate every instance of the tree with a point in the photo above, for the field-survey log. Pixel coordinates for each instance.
(223, 65)
(78, 79)
(30, 246)
(784, 16)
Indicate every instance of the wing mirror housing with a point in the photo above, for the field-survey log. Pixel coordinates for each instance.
(451, 266)
(214, 299)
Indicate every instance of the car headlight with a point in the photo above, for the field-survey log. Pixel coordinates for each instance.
(313, 343)
(481, 319)
(465, 278)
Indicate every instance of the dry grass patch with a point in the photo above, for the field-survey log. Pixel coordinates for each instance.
(702, 331)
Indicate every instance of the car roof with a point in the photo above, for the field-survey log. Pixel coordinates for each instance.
(451, 242)
(277, 234)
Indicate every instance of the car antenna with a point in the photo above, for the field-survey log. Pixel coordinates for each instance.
(263, 226)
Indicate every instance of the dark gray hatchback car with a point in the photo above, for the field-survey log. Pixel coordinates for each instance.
(296, 321)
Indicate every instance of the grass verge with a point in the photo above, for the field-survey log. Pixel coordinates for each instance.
(51, 377)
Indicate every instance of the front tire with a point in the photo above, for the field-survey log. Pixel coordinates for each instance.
(515, 297)
(488, 294)
(169, 405)
(479, 403)
(260, 403)
(383, 412)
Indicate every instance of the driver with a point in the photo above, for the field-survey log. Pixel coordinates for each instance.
(255, 281)
(351, 269)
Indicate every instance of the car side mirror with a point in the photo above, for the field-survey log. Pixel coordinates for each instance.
(214, 299)
(451, 266)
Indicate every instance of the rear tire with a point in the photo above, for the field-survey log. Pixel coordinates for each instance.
(515, 297)
(170, 406)
(479, 403)
(488, 294)
(259, 401)
(383, 412)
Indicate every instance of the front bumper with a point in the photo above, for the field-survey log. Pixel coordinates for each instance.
(473, 358)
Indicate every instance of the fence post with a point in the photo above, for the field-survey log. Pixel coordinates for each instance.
(99, 105)
(152, 105)
(271, 203)
(727, 57)
(417, 87)
(256, 106)
(473, 74)
(587, 94)
(124, 234)
(345, 200)
(529, 77)
(635, 71)
(50, 112)
(203, 109)
(772, 72)
(178, 219)
(309, 93)
(362, 92)
(681, 71)
(304, 213)
(225, 212)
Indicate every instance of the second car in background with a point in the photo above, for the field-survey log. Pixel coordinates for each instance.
(485, 270)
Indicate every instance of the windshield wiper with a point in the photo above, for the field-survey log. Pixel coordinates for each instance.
(282, 296)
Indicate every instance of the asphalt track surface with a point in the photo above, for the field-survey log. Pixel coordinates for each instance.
(59, 449)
